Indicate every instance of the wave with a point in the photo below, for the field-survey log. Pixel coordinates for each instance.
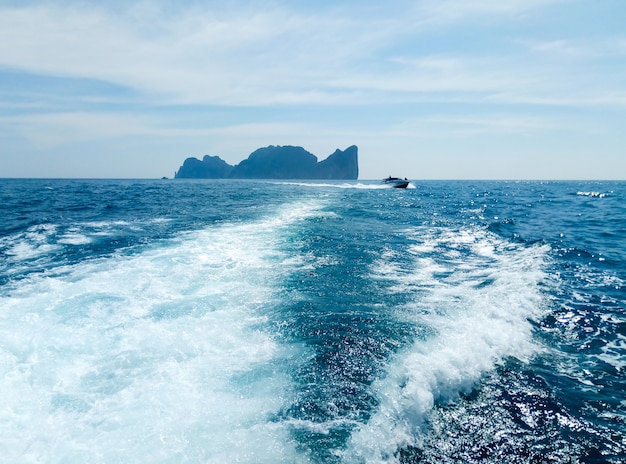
(473, 293)
(165, 351)
(46, 246)
(592, 194)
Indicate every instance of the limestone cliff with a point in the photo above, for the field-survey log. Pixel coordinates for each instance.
(339, 165)
(276, 162)
(211, 167)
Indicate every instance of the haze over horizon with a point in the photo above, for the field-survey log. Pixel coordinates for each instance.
(427, 89)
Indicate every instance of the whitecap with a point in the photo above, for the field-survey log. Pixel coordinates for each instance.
(158, 356)
(476, 304)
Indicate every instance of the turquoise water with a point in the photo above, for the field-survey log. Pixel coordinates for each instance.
(277, 322)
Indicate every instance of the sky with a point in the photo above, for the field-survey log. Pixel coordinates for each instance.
(427, 89)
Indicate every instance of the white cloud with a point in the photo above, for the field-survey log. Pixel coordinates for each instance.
(46, 130)
(218, 54)
(579, 49)
(438, 12)
(197, 55)
(249, 56)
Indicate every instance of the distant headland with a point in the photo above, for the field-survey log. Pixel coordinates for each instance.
(275, 162)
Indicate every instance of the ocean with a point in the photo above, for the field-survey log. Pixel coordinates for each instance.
(213, 321)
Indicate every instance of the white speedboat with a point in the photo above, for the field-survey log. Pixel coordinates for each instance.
(396, 182)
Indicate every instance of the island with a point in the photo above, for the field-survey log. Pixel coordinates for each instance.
(275, 162)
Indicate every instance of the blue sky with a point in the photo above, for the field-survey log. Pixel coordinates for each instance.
(428, 89)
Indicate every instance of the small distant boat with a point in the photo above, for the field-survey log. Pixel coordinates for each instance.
(396, 182)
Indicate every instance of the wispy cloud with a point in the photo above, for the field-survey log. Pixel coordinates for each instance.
(468, 125)
(197, 55)
(247, 56)
(579, 49)
(440, 12)
(46, 130)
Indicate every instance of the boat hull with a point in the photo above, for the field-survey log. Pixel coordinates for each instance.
(395, 182)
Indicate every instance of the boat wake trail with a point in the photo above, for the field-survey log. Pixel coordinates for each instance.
(473, 295)
(163, 349)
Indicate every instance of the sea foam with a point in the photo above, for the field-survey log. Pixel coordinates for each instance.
(473, 293)
(155, 356)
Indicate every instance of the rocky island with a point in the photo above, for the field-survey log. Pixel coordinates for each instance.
(275, 162)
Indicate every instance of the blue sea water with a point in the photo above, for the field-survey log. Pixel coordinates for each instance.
(199, 321)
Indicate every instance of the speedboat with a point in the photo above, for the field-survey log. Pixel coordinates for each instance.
(396, 182)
